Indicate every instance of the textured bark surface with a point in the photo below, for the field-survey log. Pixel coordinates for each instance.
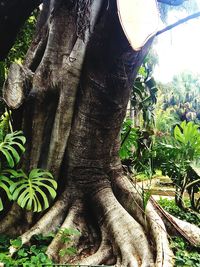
(71, 114)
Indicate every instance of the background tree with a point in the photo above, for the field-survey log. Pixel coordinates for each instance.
(180, 97)
(70, 98)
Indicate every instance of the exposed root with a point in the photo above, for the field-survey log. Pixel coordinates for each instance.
(148, 217)
(127, 235)
(123, 237)
(50, 222)
(102, 256)
(69, 223)
(164, 256)
(86, 243)
(189, 231)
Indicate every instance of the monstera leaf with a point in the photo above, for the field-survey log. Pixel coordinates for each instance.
(5, 184)
(11, 147)
(34, 191)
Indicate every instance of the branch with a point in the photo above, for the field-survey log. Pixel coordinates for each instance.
(172, 2)
(181, 21)
(13, 14)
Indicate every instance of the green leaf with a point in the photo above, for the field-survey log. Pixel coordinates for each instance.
(8, 157)
(67, 251)
(16, 243)
(39, 173)
(1, 205)
(11, 147)
(34, 191)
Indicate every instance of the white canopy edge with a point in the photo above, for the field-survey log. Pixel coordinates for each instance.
(139, 19)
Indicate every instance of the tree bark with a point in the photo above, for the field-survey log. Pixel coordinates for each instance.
(71, 110)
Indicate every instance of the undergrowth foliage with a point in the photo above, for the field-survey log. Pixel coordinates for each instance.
(185, 255)
(178, 156)
(26, 256)
(34, 254)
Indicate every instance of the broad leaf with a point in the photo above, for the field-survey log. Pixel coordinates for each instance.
(11, 148)
(33, 192)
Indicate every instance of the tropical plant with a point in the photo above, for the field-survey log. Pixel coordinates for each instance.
(165, 121)
(33, 191)
(178, 157)
(11, 147)
(136, 147)
(181, 96)
(144, 96)
(129, 138)
(185, 254)
(26, 256)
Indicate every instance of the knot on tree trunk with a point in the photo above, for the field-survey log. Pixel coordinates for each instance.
(17, 85)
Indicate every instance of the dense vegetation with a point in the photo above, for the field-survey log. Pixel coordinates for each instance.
(33, 254)
(165, 139)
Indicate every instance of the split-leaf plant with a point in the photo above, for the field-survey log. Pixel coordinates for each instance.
(33, 191)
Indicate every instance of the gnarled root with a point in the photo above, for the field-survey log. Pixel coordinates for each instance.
(50, 222)
(119, 230)
(127, 235)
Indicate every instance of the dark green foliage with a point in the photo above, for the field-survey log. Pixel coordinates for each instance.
(32, 192)
(66, 235)
(4, 125)
(33, 255)
(135, 150)
(129, 140)
(172, 208)
(26, 256)
(185, 255)
(24, 38)
(144, 95)
(178, 157)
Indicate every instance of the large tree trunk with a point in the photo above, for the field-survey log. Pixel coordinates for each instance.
(70, 98)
